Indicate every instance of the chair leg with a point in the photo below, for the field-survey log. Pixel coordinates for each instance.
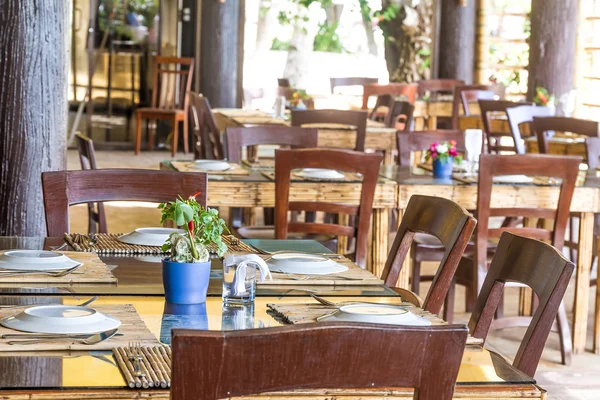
(470, 297)
(449, 303)
(152, 125)
(186, 146)
(500, 310)
(175, 137)
(138, 133)
(572, 239)
(564, 332)
(416, 275)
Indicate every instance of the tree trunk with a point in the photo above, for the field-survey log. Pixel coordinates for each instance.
(263, 36)
(33, 108)
(372, 46)
(552, 46)
(456, 44)
(301, 46)
(221, 52)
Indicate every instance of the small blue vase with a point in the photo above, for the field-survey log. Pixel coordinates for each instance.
(185, 283)
(443, 170)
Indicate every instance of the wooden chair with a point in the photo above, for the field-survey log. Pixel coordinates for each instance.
(438, 86)
(172, 82)
(387, 93)
(345, 117)
(409, 142)
(351, 81)
(452, 225)
(342, 160)
(467, 94)
(66, 188)
(206, 364)
(492, 136)
(295, 137)
(87, 158)
(544, 128)
(400, 116)
(283, 82)
(208, 137)
(520, 115)
(537, 265)
(472, 269)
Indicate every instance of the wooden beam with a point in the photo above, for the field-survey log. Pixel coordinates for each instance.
(33, 108)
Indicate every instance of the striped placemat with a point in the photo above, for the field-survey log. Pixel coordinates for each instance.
(306, 313)
(348, 177)
(109, 244)
(186, 166)
(154, 362)
(259, 120)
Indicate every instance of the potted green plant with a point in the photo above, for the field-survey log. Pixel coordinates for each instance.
(544, 98)
(186, 271)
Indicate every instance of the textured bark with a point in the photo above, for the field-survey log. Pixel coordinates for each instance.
(263, 26)
(33, 107)
(552, 46)
(221, 54)
(456, 41)
(301, 46)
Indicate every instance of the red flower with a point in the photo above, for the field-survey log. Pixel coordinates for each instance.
(452, 151)
(434, 154)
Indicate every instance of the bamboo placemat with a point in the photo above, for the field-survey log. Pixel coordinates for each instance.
(268, 164)
(155, 364)
(237, 112)
(357, 275)
(132, 329)
(108, 244)
(259, 120)
(307, 313)
(93, 270)
(184, 166)
(348, 177)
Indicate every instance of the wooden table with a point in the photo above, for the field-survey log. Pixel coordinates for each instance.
(378, 136)
(586, 201)
(85, 375)
(427, 112)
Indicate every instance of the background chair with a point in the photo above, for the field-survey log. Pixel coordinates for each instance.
(341, 160)
(172, 82)
(400, 116)
(345, 117)
(452, 225)
(208, 136)
(464, 95)
(492, 135)
(66, 188)
(351, 81)
(517, 116)
(435, 86)
(206, 365)
(386, 94)
(87, 158)
(542, 268)
(409, 142)
(545, 127)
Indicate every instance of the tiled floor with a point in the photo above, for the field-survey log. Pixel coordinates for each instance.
(578, 381)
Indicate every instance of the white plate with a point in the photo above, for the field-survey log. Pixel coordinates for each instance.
(513, 179)
(377, 314)
(210, 165)
(60, 319)
(320, 173)
(304, 264)
(149, 236)
(26, 260)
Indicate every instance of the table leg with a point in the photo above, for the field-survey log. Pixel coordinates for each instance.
(379, 244)
(432, 122)
(582, 281)
(597, 314)
(404, 278)
(342, 241)
(419, 123)
(388, 157)
(249, 216)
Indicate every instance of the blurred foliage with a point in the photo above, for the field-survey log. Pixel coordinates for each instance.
(327, 39)
(112, 15)
(282, 45)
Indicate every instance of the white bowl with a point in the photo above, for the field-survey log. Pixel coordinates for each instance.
(210, 165)
(304, 264)
(377, 314)
(60, 319)
(320, 173)
(149, 236)
(26, 260)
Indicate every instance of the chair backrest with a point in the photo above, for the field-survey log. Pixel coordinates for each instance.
(351, 81)
(520, 115)
(493, 136)
(172, 82)
(400, 116)
(87, 157)
(491, 165)
(438, 86)
(283, 82)
(393, 89)
(409, 142)
(293, 136)
(354, 118)
(212, 365)
(65, 188)
(208, 136)
(447, 221)
(466, 94)
(544, 128)
(341, 160)
(537, 265)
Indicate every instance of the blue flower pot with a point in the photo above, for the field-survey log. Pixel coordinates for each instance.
(185, 283)
(182, 316)
(442, 169)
